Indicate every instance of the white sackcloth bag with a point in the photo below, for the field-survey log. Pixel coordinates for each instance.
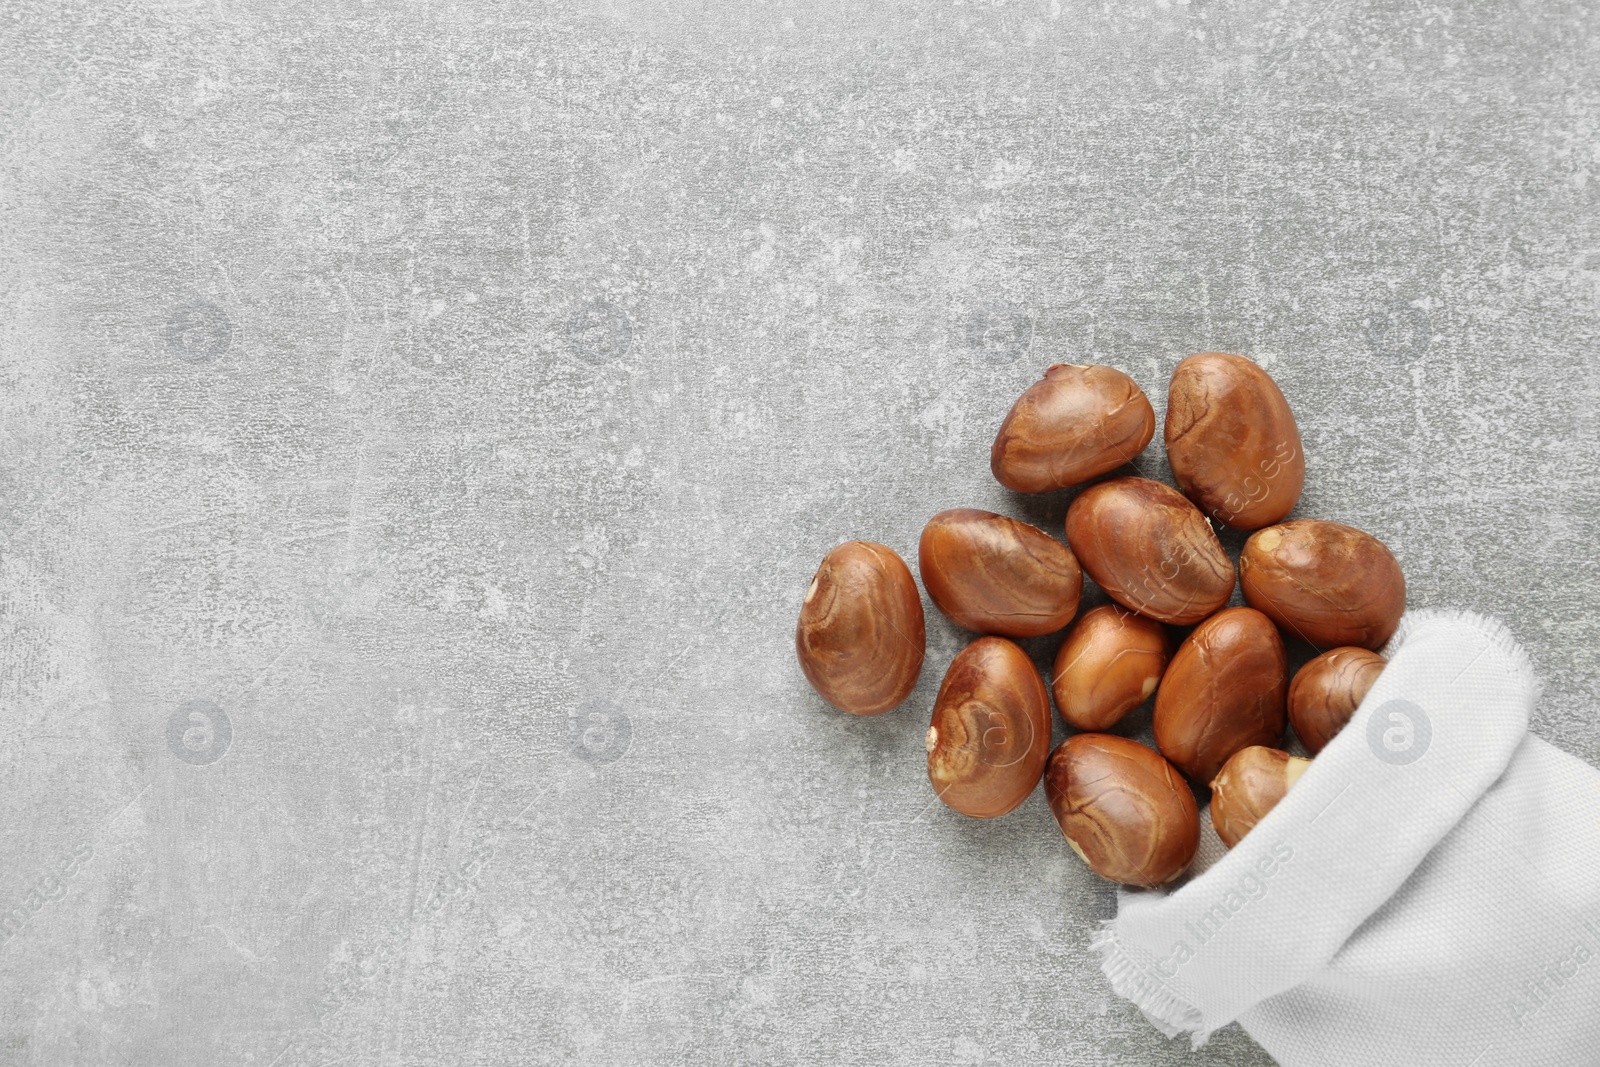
(1427, 894)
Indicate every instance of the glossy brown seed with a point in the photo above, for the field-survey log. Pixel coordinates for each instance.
(860, 638)
(1232, 441)
(1223, 691)
(1110, 662)
(1074, 424)
(1326, 583)
(1327, 691)
(1249, 785)
(990, 734)
(1150, 549)
(1122, 808)
(995, 575)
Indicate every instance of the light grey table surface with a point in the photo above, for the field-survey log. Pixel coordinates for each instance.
(455, 400)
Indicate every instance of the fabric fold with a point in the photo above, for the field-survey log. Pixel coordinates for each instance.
(1437, 729)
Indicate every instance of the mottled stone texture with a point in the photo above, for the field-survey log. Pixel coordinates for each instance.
(419, 427)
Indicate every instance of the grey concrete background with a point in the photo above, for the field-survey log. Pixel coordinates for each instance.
(455, 400)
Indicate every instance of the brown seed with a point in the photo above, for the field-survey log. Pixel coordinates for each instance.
(1122, 808)
(1326, 583)
(1074, 424)
(1249, 785)
(860, 638)
(996, 575)
(990, 734)
(1327, 691)
(1110, 662)
(1223, 691)
(1150, 549)
(1232, 441)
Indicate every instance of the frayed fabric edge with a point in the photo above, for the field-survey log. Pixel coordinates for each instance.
(1498, 635)
(1165, 1010)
